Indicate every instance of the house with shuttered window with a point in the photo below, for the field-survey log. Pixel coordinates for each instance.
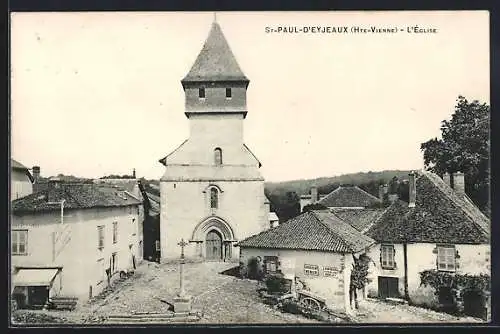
(71, 240)
(439, 228)
(317, 247)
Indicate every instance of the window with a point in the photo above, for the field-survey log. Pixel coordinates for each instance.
(214, 198)
(387, 257)
(271, 264)
(157, 245)
(100, 236)
(19, 242)
(134, 228)
(115, 232)
(228, 93)
(114, 262)
(446, 258)
(330, 271)
(201, 93)
(311, 269)
(218, 156)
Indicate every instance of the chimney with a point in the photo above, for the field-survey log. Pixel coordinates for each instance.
(382, 190)
(447, 179)
(459, 182)
(133, 173)
(314, 194)
(54, 184)
(412, 196)
(36, 173)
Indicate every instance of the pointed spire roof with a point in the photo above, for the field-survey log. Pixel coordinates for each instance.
(216, 61)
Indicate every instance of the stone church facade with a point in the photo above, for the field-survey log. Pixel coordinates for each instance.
(212, 192)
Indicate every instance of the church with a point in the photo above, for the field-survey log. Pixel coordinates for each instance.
(212, 192)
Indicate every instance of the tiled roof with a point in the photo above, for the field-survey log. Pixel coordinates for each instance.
(349, 196)
(154, 201)
(440, 215)
(216, 61)
(126, 184)
(19, 166)
(361, 220)
(313, 230)
(76, 196)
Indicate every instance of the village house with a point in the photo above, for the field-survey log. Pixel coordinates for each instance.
(310, 198)
(317, 247)
(349, 197)
(212, 191)
(131, 186)
(72, 240)
(343, 197)
(21, 180)
(439, 228)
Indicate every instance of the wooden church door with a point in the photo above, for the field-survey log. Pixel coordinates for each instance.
(214, 245)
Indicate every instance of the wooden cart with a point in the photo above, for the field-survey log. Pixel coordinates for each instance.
(310, 301)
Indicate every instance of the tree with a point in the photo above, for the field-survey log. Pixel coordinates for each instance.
(285, 204)
(393, 185)
(359, 277)
(465, 147)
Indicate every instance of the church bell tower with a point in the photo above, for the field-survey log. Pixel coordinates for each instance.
(212, 192)
(215, 84)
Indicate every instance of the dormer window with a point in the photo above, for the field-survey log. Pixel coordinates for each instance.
(201, 93)
(228, 93)
(218, 156)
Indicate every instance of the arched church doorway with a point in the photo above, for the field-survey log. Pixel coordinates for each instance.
(213, 245)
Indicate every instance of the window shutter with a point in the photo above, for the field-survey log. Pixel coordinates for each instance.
(394, 252)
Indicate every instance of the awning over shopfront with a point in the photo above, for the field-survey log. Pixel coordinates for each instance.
(35, 277)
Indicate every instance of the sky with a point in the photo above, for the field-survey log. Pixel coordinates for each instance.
(94, 94)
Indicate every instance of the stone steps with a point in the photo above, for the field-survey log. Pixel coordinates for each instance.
(152, 318)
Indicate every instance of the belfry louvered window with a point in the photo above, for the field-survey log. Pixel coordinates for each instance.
(201, 93)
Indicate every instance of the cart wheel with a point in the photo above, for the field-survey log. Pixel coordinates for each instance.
(310, 305)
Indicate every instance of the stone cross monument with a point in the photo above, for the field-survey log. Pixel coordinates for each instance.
(182, 303)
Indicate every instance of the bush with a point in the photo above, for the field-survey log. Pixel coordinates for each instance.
(450, 290)
(277, 283)
(243, 270)
(13, 305)
(254, 270)
(291, 306)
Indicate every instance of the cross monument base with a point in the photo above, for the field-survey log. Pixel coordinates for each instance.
(182, 304)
